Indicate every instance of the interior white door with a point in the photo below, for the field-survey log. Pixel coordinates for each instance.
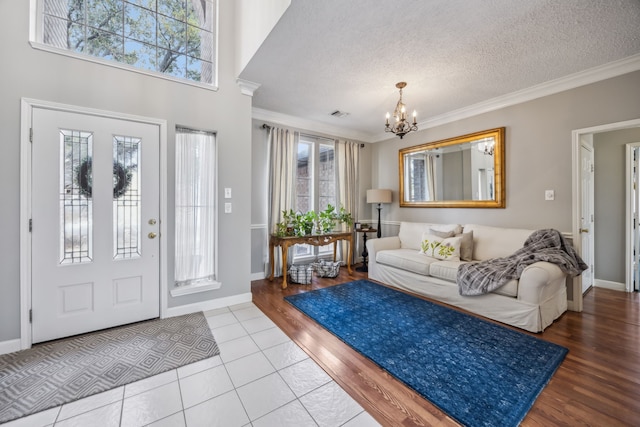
(95, 238)
(635, 217)
(587, 215)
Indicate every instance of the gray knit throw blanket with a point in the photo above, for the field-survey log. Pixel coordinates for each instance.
(542, 245)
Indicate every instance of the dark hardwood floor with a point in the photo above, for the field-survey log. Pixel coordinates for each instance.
(598, 384)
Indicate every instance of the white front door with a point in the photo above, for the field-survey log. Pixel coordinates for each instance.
(95, 226)
(586, 214)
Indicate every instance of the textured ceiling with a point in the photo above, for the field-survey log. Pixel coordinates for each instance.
(332, 55)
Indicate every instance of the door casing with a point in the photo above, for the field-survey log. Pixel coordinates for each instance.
(577, 137)
(630, 232)
(27, 106)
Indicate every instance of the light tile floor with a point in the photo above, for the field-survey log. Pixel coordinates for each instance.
(261, 378)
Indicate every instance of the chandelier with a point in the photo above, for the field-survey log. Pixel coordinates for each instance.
(486, 146)
(401, 127)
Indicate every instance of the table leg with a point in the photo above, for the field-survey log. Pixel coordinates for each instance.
(350, 254)
(271, 257)
(364, 268)
(285, 251)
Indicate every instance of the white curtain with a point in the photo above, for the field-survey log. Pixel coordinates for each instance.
(282, 181)
(195, 207)
(430, 176)
(347, 167)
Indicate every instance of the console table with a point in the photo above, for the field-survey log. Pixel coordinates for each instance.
(315, 240)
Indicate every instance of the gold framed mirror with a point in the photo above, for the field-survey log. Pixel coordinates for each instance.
(467, 171)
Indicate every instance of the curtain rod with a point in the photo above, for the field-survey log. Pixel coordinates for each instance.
(265, 126)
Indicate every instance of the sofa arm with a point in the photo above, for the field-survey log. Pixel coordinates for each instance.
(376, 245)
(540, 281)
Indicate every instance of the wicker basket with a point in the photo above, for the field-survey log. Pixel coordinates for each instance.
(327, 268)
(301, 274)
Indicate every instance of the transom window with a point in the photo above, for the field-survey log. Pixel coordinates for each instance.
(173, 37)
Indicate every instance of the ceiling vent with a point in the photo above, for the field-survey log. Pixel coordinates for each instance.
(339, 113)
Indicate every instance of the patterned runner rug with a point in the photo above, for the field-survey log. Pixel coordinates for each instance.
(65, 370)
(478, 372)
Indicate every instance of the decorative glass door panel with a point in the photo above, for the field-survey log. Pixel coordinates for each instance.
(126, 197)
(76, 204)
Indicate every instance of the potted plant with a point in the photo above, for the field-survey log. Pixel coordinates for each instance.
(299, 224)
(303, 223)
(328, 218)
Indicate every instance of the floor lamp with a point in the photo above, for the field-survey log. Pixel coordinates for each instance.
(379, 196)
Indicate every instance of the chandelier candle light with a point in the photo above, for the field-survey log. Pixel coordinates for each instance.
(401, 127)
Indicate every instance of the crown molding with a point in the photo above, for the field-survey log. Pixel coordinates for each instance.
(308, 125)
(592, 75)
(247, 87)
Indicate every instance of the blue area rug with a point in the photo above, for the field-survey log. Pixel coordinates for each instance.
(479, 373)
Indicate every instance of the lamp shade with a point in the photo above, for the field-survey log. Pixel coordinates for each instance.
(378, 196)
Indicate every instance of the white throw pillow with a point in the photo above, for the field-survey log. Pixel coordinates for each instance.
(466, 246)
(456, 228)
(439, 248)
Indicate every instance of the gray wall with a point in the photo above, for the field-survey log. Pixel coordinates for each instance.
(610, 202)
(538, 154)
(27, 72)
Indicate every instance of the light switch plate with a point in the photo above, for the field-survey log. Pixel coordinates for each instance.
(549, 195)
(227, 208)
(227, 193)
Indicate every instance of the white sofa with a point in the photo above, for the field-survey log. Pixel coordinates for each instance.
(532, 303)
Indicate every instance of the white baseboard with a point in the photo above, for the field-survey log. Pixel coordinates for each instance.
(616, 286)
(208, 305)
(258, 276)
(9, 346)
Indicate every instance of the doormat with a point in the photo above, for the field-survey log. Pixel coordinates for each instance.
(61, 371)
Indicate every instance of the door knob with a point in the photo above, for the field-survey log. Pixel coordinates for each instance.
(584, 230)
(152, 235)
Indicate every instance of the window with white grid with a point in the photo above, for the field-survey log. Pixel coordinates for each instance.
(171, 38)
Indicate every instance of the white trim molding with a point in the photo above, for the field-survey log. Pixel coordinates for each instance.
(576, 192)
(247, 87)
(308, 125)
(592, 75)
(10, 346)
(209, 305)
(607, 284)
(195, 289)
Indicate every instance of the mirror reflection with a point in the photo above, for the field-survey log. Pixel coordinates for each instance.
(466, 171)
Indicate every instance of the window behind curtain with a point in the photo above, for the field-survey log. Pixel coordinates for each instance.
(172, 37)
(195, 208)
(315, 184)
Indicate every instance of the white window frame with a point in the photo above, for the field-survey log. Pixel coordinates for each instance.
(199, 285)
(35, 40)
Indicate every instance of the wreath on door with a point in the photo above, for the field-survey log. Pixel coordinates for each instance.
(121, 179)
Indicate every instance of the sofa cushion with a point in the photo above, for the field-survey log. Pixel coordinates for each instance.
(410, 233)
(406, 259)
(466, 245)
(445, 270)
(437, 247)
(510, 289)
(496, 242)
